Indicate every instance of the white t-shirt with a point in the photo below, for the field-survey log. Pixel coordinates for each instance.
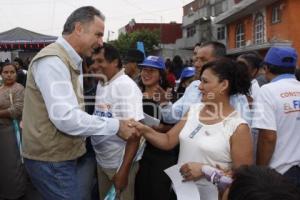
(207, 144)
(121, 99)
(255, 88)
(278, 109)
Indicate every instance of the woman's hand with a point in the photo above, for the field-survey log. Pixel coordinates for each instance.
(191, 171)
(141, 128)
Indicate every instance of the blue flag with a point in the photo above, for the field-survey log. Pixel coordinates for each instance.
(140, 46)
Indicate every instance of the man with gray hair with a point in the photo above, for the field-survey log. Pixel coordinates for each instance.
(55, 124)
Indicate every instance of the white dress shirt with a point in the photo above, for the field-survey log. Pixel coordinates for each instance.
(54, 82)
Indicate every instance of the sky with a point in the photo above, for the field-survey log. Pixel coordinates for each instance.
(48, 16)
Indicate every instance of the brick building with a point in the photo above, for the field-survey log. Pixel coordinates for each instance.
(260, 24)
(169, 32)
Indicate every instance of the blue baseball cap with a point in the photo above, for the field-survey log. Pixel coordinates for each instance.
(154, 62)
(284, 57)
(187, 72)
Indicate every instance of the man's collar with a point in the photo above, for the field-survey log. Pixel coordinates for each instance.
(70, 50)
(283, 76)
(117, 75)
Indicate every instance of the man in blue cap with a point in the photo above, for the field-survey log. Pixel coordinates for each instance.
(186, 77)
(277, 114)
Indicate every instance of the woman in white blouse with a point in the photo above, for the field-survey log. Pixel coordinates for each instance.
(212, 132)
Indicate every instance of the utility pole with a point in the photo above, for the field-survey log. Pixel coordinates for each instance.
(108, 34)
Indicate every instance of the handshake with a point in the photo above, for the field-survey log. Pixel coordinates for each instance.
(131, 128)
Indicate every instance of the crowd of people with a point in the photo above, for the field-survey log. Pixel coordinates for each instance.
(85, 122)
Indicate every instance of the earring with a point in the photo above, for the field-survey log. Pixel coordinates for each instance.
(160, 81)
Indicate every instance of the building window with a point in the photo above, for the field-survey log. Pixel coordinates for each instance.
(190, 11)
(218, 8)
(191, 31)
(259, 29)
(221, 33)
(240, 36)
(276, 14)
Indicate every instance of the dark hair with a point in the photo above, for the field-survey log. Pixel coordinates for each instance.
(89, 61)
(236, 74)
(219, 49)
(110, 53)
(254, 61)
(198, 44)
(84, 15)
(257, 182)
(297, 73)
(177, 61)
(7, 64)
(169, 66)
(177, 65)
(280, 70)
(163, 83)
(134, 55)
(20, 61)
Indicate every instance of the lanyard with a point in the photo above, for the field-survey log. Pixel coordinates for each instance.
(195, 131)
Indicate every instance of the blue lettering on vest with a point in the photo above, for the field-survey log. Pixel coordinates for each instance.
(296, 104)
(103, 114)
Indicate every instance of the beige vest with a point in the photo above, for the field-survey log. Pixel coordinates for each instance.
(41, 139)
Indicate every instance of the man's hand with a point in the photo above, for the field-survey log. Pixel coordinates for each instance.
(126, 129)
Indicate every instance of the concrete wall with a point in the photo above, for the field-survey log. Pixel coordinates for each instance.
(170, 50)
